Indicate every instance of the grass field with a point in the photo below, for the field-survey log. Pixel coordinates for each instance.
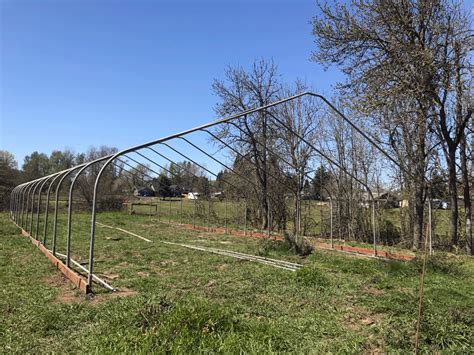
(179, 300)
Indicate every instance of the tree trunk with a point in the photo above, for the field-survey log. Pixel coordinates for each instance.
(463, 147)
(466, 195)
(453, 198)
(418, 217)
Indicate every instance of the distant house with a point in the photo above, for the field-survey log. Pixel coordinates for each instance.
(437, 204)
(168, 191)
(385, 199)
(388, 199)
(219, 195)
(143, 192)
(403, 203)
(194, 196)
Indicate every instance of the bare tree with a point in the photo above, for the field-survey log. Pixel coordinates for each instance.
(463, 114)
(447, 90)
(240, 91)
(356, 159)
(391, 52)
(300, 117)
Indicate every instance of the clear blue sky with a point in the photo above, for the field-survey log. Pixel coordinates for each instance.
(118, 73)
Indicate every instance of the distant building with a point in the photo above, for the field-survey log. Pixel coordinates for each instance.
(194, 196)
(386, 199)
(143, 191)
(403, 203)
(219, 195)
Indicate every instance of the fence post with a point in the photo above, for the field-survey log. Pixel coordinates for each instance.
(159, 208)
(268, 218)
(208, 213)
(373, 227)
(225, 214)
(169, 216)
(194, 212)
(430, 225)
(332, 240)
(245, 217)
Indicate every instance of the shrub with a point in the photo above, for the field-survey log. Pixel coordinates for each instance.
(300, 245)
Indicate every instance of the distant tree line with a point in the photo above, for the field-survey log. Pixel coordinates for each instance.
(118, 181)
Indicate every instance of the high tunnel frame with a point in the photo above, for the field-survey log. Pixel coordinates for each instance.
(25, 196)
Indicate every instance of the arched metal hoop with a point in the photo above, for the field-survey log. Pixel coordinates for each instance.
(23, 194)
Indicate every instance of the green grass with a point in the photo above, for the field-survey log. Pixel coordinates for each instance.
(186, 301)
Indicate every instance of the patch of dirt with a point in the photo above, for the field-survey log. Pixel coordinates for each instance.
(222, 267)
(24, 260)
(68, 299)
(157, 268)
(254, 316)
(110, 275)
(122, 292)
(374, 291)
(67, 292)
(122, 265)
(357, 318)
(143, 274)
(210, 283)
(168, 262)
(374, 345)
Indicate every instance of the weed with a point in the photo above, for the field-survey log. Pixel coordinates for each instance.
(151, 312)
(269, 246)
(312, 277)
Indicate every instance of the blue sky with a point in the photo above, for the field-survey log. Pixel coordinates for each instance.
(118, 73)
